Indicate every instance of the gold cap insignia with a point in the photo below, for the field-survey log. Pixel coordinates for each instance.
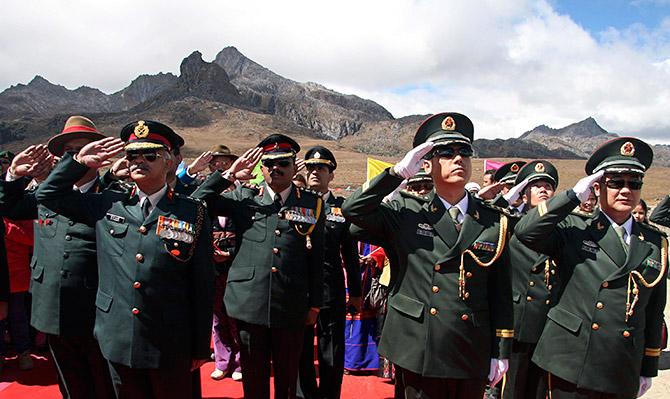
(448, 123)
(539, 167)
(141, 130)
(628, 149)
(317, 155)
(514, 168)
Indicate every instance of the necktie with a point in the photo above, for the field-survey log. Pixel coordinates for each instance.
(454, 212)
(146, 205)
(621, 232)
(277, 201)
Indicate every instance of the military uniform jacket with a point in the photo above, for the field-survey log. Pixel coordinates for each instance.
(339, 246)
(274, 278)
(661, 214)
(442, 321)
(589, 339)
(63, 267)
(155, 298)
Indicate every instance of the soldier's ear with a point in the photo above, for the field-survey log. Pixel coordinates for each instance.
(596, 189)
(428, 165)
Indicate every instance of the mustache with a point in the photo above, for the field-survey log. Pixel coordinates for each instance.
(276, 172)
(136, 167)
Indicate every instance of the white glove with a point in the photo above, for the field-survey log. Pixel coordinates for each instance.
(583, 186)
(514, 193)
(411, 163)
(395, 192)
(498, 369)
(645, 384)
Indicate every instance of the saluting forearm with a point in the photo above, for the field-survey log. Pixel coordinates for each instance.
(661, 214)
(210, 191)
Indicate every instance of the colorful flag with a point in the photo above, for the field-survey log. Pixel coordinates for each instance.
(492, 165)
(259, 175)
(376, 167)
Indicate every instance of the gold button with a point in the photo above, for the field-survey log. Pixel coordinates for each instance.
(68, 237)
(531, 283)
(547, 301)
(605, 284)
(468, 274)
(529, 298)
(553, 272)
(433, 311)
(137, 284)
(111, 231)
(142, 229)
(275, 250)
(549, 287)
(135, 311)
(274, 269)
(595, 326)
(437, 268)
(626, 334)
(277, 232)
(466, 295)
(436, 288)
(464, 317)
(139, 258)
(600, 305)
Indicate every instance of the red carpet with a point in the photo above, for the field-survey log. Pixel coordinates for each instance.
(41, 383)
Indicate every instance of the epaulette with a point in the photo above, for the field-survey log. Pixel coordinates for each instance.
(582, 214)
(197, 201)
(653, 228)
(413, 196)
(310, 191)
(498, 209)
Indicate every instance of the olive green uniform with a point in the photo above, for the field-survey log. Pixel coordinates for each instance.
(661, 214)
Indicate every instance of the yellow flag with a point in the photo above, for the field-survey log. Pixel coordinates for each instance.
(376, 167)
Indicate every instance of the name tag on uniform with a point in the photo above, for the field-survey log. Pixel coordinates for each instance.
(175, 229)
(115, 218)
(590, 246)
(484, 246)
(653, 263)
(300, 215)
(335, 215)
(424, 229)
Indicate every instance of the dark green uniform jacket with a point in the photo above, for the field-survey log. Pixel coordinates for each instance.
(588, 339)
(442, 321)
(340, 249)
(63, 267)
(275, 278)
(154, 303)
(661, 214)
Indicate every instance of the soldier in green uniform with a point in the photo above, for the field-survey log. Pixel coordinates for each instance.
(154, 300)
(534, 284)
(275, 284)
(64, 266)
(340, 249)
(602, 339)
(661, 214)
(497, 193)
(449, 320)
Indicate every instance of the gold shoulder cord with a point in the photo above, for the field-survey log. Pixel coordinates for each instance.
(502, 238)
(308, 240)
(630, 306)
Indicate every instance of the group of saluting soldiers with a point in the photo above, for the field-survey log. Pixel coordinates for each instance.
(517, 289)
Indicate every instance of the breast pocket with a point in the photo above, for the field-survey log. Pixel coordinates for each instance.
(113, 237)
(48, 224)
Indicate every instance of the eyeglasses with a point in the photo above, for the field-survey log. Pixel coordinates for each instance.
(148, 156)
(450, 152)
(270, 163)
(618, 184)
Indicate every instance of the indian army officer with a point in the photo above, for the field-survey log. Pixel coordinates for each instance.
(534, 284)
(275, 284)
(449, 320)
(602, 339)
(154, 300)
(340, 249)
(64, 266)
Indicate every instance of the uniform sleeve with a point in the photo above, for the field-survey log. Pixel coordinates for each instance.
(661, 214)
(501, 305)
(653, 330)
(315, 258)
(210, 192)
(365, 208)
(56, 193)
(4, 268)
(202, 291)
(15, 202)
(538, 228)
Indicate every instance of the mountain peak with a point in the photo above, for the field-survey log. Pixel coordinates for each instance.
(38, 81)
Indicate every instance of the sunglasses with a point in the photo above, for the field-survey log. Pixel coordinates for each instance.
(618, 184)
(270, 163)
(148, 156)
(450, 152)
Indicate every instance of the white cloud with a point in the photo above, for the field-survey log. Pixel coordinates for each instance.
(509, 65)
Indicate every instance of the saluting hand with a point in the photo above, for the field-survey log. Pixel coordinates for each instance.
(200, 163)
(489, 192)
(31, 162)
(300, 165)
(242, 168)
(411, 163)
(583, 186)
(515, 192)
(98, 153)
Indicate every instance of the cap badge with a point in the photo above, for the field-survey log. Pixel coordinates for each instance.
(539, 167)
(448, 123)
(141, 130)
(276, 146)
(514, 168)
(628, 149)
(317, 155)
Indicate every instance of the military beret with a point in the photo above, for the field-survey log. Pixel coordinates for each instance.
(76, 127)
(621, 155)
(277, 146)
(146, 135)
(538, 170)
(445, 128)
(220, 150)
(320, 155)
(507, 173)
